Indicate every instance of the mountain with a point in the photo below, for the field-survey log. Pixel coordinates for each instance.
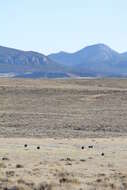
(91, 54)
(92, 61)
(28, 63)
(95, 60)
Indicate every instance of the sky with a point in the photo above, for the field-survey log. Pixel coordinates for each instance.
(50, 26)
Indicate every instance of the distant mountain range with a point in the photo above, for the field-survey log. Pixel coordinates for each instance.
(93, 61)
(28, 64)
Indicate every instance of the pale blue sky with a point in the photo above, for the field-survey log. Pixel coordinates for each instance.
(53, 25)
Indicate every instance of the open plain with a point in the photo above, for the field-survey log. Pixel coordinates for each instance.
(63, 108)
(74, 132)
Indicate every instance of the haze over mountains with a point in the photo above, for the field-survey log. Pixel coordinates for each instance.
(93, 61)
(27, 64)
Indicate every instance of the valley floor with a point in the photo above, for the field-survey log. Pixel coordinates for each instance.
(63, 164)
(58, 120)
(63, 108)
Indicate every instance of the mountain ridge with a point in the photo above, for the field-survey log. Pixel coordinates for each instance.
(23, 62)
(94, 60)
(98, 60)
(94, 49)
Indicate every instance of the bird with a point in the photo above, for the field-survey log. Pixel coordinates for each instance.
(91, 146)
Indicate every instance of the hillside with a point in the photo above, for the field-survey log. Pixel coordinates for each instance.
(93, 61)
(27, 63)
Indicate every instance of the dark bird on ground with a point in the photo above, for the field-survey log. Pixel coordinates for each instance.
(102, 154)
(91, 146)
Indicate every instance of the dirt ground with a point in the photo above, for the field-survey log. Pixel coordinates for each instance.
(75, 132)
(67, 164)
(63, 108)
